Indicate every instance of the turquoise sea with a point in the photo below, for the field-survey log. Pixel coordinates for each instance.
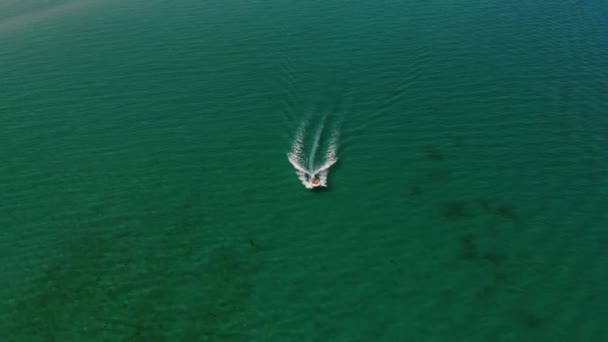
(146, 192)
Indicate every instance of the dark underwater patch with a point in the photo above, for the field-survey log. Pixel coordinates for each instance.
(528, 319)
(501, 211)
(439, 174)
(456, 210)
(415, 191)
(494, 257)
(107, 286)
(492, 260)
(433, 153)
(467, 248)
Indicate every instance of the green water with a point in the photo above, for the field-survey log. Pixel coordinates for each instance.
(146, 195)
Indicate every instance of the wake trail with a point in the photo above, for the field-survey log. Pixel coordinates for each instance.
(331, 156)
(298, 157)
(315, 144)
(297, 148)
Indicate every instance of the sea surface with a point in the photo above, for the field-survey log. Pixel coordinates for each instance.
(146, 192)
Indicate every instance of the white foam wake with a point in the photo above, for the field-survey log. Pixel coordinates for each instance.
(297, 156)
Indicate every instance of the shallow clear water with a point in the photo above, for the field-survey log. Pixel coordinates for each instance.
(145, 191)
